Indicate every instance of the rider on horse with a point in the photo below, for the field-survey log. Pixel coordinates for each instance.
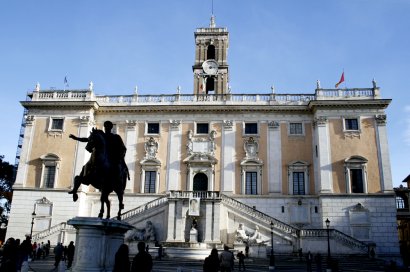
(115, 154)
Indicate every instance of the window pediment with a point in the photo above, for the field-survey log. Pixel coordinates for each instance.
(356, 160)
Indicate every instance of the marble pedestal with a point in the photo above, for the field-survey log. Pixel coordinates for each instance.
(97, 241)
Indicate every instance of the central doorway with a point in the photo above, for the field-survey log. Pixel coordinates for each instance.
(200, 182)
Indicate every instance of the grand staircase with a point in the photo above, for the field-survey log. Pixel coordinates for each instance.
(288, 234)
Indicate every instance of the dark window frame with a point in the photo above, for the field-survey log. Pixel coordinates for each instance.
(153, 128)
(251, 128)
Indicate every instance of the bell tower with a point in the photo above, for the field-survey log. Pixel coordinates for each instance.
(211, 67)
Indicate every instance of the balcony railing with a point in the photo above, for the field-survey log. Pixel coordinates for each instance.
(214, 99)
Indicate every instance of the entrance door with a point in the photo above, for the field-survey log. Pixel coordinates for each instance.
(200, 182)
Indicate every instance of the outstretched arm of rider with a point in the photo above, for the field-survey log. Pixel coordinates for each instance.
(78, 138)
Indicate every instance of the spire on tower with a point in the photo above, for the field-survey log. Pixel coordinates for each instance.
(212, 23)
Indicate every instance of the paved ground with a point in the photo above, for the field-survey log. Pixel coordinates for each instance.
(283, 263)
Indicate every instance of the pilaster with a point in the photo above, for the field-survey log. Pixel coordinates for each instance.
(228, 157)
(25, 152)
(82, 155)
(386, 183)
(130, 156)
(274, 158)
(174, 156)
(324, 166)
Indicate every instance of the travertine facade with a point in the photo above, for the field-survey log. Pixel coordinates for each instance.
(297, 158)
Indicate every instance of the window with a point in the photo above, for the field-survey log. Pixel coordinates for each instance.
(56, 124)
(251, 128)
(351, 124)
(210, 85)
(251, 183)
(356, 180)
(153, 128)
(298, 183)
(298, 178)
(49, 176)
(295, 129)
(210, 53)
(202, 128)
(400, 204)
(150, 180)
(355, 169)
(50, 164)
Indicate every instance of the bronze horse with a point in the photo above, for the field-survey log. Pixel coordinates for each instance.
(103, 173)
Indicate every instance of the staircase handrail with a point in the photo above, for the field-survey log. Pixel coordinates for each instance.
(337, 235)
(54, 229)
(282, 226)
(151, 204)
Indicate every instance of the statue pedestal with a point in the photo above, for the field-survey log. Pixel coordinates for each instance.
(97, 241)
(193, 235)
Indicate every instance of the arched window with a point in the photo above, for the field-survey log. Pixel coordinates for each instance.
(49, 171)
(355, 170)
(210, 53)
(210, 84)
(400, 204)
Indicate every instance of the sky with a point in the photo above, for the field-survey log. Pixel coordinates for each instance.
(150, 44)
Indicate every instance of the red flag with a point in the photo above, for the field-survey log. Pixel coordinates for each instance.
(342, 78)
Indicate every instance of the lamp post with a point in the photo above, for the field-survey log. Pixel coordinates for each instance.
(32, 223)
(328, 242)
(272, 256)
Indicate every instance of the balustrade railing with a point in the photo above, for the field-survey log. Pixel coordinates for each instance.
(54, 229)
(277, 224)
(195, 194)
(149, 205)
(263, 99)
(337, 235)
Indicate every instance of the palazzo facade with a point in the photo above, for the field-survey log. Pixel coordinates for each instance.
(282, 162)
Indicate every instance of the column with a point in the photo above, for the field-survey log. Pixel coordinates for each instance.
(131, 155)
(174, 156)
(228, 158)
(386, 183)
(25, 152)
(274, 158)
(216, 233)
(324, 177)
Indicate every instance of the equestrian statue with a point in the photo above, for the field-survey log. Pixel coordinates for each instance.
(106, 169)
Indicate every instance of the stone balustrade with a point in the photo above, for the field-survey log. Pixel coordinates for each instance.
(214, 99)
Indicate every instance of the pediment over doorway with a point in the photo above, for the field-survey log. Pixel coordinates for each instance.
(201, 158)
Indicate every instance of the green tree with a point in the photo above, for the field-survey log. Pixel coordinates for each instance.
(7, 171)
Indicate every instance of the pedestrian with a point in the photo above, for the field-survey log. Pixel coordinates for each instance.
(58, 254)
(142, 262)
(226, 260)
(34, 252)
(318, 261)
(247, 251)
(70, 254)
(241, 258)
(25, 249)
(160, 252)
(122, 259)
(211, 263)
(309, 259)
(10, 256)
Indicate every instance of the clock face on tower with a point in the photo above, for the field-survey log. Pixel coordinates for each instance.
(210, 67)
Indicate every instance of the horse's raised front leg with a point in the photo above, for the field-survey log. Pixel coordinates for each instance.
(77, 183)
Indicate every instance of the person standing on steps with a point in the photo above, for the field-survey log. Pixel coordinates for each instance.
(142, 262)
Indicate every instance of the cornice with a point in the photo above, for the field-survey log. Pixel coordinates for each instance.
(206, 108)
(60, 104)
(368, 103)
